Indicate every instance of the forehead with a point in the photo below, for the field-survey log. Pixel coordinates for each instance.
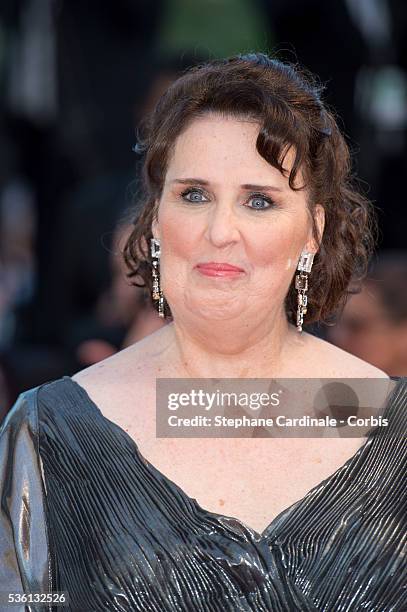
(224, 148)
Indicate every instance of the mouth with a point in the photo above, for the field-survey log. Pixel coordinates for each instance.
(214, 268)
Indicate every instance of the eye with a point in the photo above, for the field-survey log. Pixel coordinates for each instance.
(194, 195)
(260, 202)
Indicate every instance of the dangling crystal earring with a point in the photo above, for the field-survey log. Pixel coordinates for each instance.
(301, 284)
(157, 293)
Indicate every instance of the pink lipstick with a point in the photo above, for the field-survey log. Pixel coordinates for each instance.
(214, 268)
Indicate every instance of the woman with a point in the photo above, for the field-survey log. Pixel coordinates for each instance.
(247, 180)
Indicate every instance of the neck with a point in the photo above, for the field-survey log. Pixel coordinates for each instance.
(232, 353)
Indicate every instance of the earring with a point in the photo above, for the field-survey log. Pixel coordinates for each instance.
(157, 293)
(301, 284)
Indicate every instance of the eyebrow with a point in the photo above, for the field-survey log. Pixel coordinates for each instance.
(246, 186)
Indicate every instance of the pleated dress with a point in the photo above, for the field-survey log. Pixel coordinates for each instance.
(82, 511)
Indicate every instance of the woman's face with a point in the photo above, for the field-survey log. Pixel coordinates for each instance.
(222, 203)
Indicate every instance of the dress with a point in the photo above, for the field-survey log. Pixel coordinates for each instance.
(82, 511)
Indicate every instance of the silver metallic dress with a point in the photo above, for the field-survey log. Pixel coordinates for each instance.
(83, 511)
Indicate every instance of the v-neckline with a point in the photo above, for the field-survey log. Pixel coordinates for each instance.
(259, 536)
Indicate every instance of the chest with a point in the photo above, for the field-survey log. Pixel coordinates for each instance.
(252, 480)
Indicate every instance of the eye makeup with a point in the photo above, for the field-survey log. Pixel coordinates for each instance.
(188, 196)
(190, 191)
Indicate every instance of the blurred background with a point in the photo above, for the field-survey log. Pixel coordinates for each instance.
(76, 78)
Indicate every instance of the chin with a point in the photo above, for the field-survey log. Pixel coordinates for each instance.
(214, 312)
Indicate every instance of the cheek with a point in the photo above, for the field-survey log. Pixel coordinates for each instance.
(277, 247)
(180, 238)
(275, 244)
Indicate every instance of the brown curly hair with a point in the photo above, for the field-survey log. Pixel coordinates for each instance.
(286, 101)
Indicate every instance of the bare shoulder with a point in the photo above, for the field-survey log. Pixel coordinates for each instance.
(129, 376)
(133, 370)
(330, 361)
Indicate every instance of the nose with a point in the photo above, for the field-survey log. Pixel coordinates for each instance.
(222, 225)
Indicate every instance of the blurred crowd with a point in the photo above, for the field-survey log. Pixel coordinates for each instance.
(76, 80)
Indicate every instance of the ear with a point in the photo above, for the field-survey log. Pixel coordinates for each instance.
(319, 215)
